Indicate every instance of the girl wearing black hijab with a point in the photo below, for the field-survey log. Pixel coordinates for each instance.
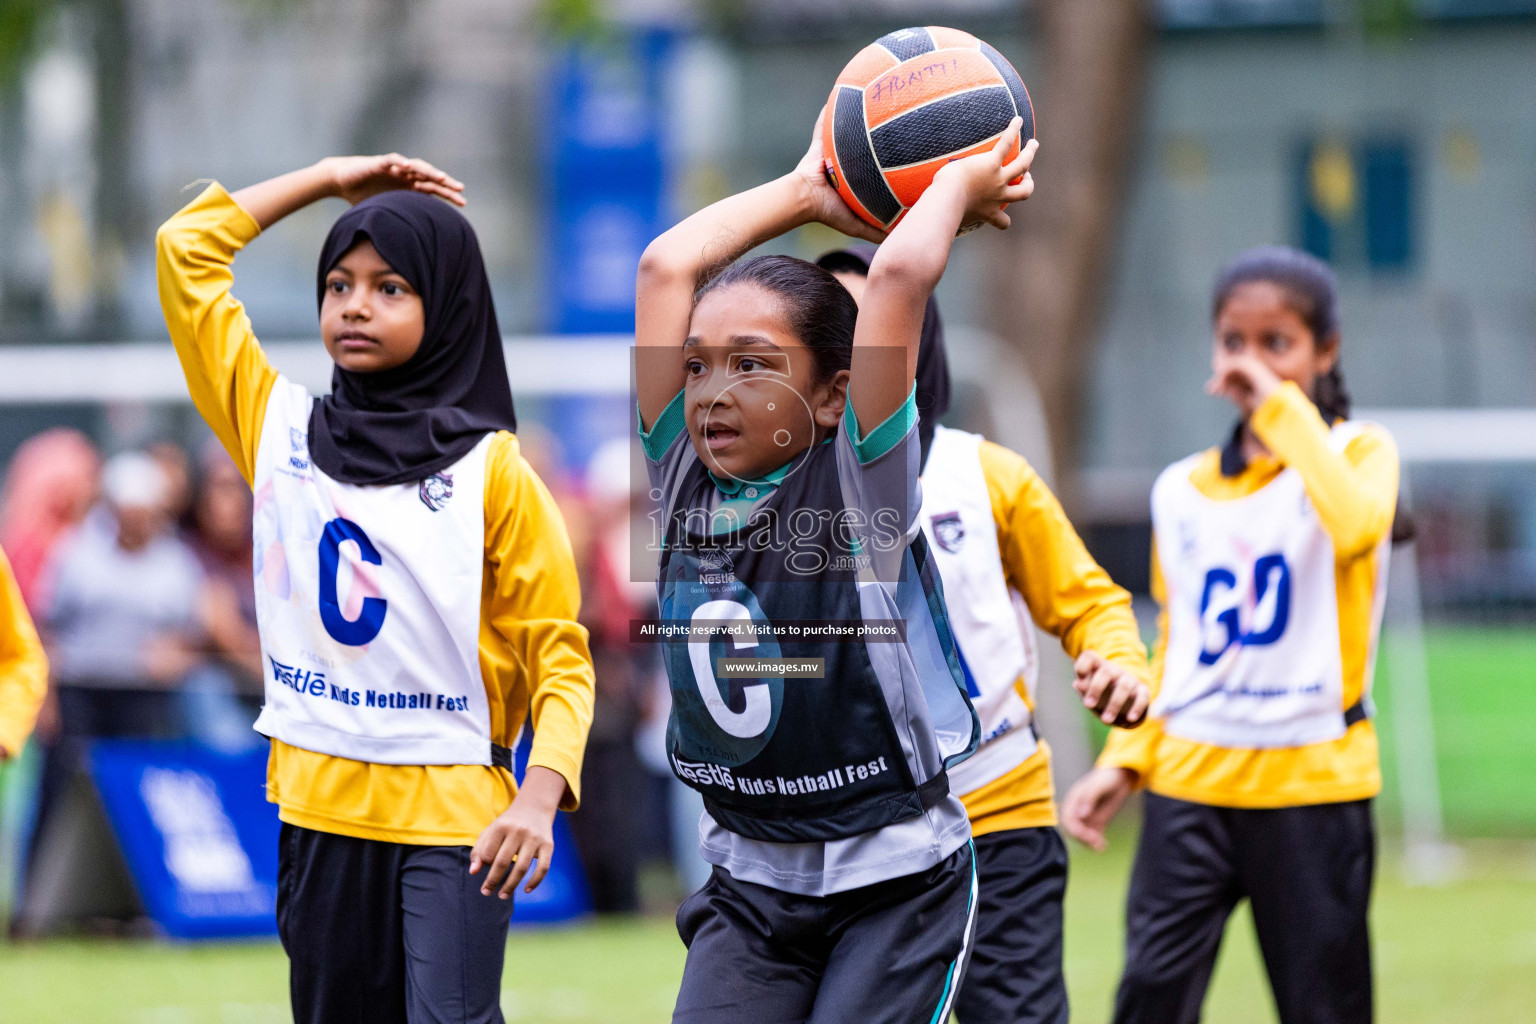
(416, 593)
(1009, 559)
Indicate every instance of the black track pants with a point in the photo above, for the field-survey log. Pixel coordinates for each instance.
(1306, 871)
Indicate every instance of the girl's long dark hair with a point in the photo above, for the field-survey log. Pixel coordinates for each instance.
(819, 310)
(1311, 290)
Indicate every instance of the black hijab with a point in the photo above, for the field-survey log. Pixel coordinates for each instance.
(932, 358)
(406, 423)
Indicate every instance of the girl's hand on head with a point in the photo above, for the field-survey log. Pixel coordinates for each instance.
(355, 178)
(825, 205)
(1244, 380)
(990, 181)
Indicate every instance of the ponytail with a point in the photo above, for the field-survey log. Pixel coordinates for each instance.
(1331, 396)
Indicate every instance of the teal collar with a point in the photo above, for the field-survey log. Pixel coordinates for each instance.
(732, 487)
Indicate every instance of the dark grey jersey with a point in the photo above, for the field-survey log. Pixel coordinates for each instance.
(827, 554)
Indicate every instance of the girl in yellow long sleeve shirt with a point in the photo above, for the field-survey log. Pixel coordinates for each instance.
(1260, 756)
(23, 667)
(416, 593)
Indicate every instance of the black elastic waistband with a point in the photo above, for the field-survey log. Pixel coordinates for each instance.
(1355, 713)
(934, 790)
(501, 756)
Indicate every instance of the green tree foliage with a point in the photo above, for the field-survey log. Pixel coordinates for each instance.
(21, 25)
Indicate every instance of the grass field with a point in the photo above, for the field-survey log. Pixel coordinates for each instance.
(1483, 696)
(1462, 952)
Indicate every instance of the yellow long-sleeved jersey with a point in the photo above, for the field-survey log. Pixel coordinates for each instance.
(23, 666)
(1069, 596)
(1355, 496)
(533, 654)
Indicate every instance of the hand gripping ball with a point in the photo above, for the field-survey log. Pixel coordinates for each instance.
(907, 104)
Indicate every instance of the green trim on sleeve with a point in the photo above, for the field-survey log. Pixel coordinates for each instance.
(887, 435)
(665, 430)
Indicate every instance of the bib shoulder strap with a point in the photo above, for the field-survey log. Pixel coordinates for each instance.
(1345, 431)
(954, 454)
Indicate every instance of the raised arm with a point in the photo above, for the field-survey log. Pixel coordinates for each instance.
(228, 376)
(910, 262)
(353, 178)
(677, 262)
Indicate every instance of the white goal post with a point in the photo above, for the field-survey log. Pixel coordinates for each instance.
(1430, 436)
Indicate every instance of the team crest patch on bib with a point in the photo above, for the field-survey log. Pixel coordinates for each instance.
(436, 490)
(298, 441)
(948, 530)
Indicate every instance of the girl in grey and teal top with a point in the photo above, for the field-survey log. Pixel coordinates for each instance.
(817, 698)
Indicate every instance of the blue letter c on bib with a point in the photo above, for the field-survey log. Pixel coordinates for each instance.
(352, 632)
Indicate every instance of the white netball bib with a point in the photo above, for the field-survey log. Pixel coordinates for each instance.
(1253, 658)
(368, 603)
(991, 625)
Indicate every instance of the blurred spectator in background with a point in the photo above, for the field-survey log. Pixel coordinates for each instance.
(222, 696)
(221, 539)
(542, 450)
(121, 625)
(172, 460)
(621, 587)
(48, 490)
(122, 617)
(610, 826)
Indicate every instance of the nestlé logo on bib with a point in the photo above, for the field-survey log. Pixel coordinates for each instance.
(436, 490)
(949, 531)
(715, 567)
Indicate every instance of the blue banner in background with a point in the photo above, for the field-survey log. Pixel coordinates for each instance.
(606, 178)
(200, 840)
(606, 184)
(197, 834)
